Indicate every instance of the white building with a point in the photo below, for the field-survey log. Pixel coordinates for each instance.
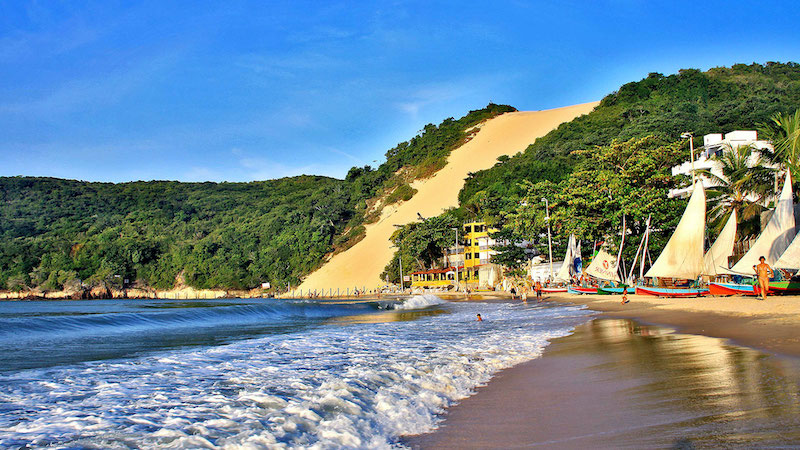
(714, 144)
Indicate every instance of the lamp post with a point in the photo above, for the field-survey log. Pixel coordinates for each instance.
(400, 258)
(549, 239)
(456, 264)
(689, 136)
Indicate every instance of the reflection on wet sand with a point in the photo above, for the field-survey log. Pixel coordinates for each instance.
(704, 390)
(617, 384)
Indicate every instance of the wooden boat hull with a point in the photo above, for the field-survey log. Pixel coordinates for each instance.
(733, 289)
(553, 290)
(581, 290)
(671, 292)
(613, 290)
(784, 287)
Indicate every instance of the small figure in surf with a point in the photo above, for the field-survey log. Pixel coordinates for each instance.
(538, 287)
(480, 319)
(625, 296)
(764, 273)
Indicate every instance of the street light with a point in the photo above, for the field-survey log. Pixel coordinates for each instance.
(549, 239)
(456, 264)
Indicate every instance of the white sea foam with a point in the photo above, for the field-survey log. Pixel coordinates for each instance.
(353, 386)
(420, 301)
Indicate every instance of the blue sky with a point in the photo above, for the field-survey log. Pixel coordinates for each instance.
(240, 91)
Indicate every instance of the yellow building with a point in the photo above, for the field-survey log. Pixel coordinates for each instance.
(472, 261)
(475, 256)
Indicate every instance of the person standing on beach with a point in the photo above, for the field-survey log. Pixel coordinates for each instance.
(764, 273)
(538, 287)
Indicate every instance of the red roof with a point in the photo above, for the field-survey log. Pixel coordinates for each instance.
(445, 270)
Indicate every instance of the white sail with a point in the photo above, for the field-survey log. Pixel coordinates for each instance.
(775, 238)
(565, 273)
(603, 266)
(682, 257)
(716, 258)
(790, 259)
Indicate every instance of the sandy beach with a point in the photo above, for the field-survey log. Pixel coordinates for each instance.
(361, 266)
(723, 372)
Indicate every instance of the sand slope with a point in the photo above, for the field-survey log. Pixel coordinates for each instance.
(361, 265)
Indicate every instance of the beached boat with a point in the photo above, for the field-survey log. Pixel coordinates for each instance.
(683, 256)
(671, 291)
(553, 290)
(581, 290)
(777, 244)
(720, 288)
(608, 290)
(784, 287)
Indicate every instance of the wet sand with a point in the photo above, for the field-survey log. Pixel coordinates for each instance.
(772, 325)
(617, 384)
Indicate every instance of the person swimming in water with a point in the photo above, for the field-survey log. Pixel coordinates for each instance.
(480, 319)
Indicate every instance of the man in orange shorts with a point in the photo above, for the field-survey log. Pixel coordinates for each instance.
(764, 273)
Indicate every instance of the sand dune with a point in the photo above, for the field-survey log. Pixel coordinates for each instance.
(361, 265)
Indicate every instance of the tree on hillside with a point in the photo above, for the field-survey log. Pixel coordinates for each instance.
(422, 244)
(743, 187)
(630, 178)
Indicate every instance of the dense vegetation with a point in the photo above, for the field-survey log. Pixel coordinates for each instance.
(616, 159)
(57, 234)
(719, 100)
(568, 165)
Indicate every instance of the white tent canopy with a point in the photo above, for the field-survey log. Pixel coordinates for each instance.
(716, 259)
(682, 257)
(775, 238)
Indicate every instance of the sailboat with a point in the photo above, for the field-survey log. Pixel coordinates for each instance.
(683, 256)
(716, 260)
(789, 260)
(604, 267)
(772, 244)
(568, 267)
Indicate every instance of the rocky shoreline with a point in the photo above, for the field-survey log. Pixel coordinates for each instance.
(100, 293)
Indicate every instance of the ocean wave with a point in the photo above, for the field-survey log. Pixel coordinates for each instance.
(174, 315)
(334, 386)
(420, 302)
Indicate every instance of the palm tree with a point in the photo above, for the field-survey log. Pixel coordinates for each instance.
(744, 186)
(784, 132)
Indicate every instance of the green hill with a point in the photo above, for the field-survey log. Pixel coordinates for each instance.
(56, 233)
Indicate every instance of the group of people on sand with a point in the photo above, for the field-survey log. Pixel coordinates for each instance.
(524, 290)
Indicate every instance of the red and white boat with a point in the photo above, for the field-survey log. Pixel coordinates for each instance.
(552, 290)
